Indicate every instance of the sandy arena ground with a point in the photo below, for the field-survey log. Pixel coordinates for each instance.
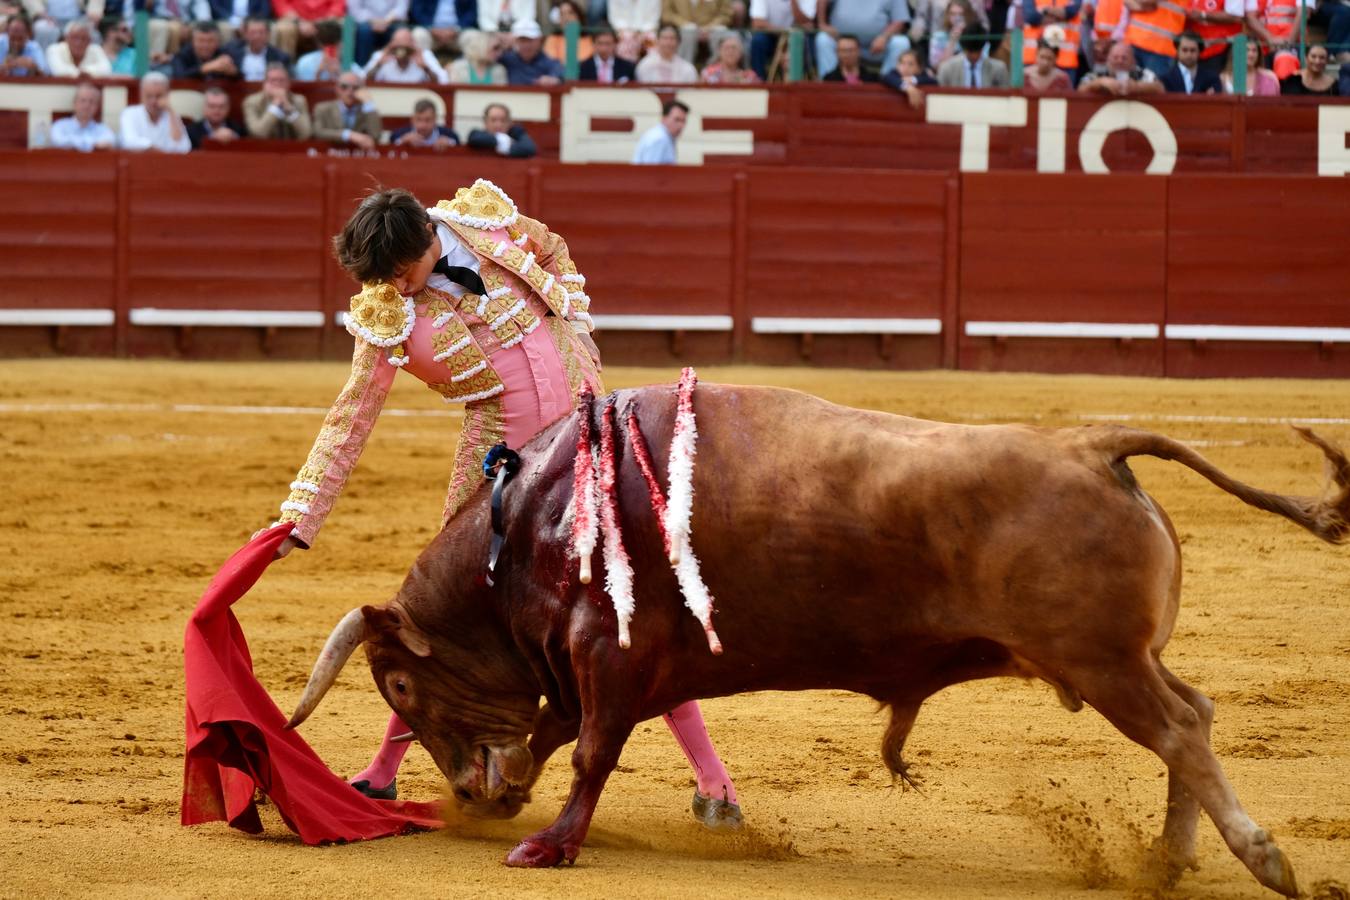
(113, 518)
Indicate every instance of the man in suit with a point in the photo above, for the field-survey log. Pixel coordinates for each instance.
(351, 118)
(215, 123)
(203, 59)
(251, 52)
(423, 131)
(500, 135)
(848, 51)
(603, 66)
(275, 113)
(1186, 76)
(971, 68)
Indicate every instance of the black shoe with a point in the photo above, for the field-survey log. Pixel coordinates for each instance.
(384, 793)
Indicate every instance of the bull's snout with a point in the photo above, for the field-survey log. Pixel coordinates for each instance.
(495, 783)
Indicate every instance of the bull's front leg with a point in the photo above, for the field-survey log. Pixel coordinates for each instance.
(599, 744)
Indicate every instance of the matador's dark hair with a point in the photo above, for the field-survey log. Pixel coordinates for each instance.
(387, 233)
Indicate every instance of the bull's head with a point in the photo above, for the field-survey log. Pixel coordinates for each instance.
(466, 708)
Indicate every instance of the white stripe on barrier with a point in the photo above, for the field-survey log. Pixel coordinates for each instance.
(799, 325)
(1256, 333)
(1144, 330)
(224, 318)
(56, 317)
(662, 323)
(223, 410)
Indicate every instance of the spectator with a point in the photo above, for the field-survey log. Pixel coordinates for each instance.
(500, 135)
(500, 15)
(1055, 22)
(78, 54)
(204, 59)
(252, 54)
(298, 20)
(930, 16)
(351, 118)
(1312, 79)
(730, 65)
(635, 22)
(403, 62)
(848, 55)
(82, 131)
(656, 147)
(170, 27)
(1119, 75)
(526, 63)
(908, 77)
(1045, 76)
(325, 63)
(233, 15)
(972, 69)
(151, 124)
(701, 22)
(275, 112)
(1275, 23)
(117, 45)
(879, 26)
(555, 45)
(1216, 22)
(49, 18)
(767, 16)
(376, 21)
(1186, 76)
(424, 132)
(1261, 82)
(438, 22)
(479, 63)
(1152, 32)
(605, 66)
(945, 40)
(20, 55)
(215, 123)
(1337, 20)
(663, 65)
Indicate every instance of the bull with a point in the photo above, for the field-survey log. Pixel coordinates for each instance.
(885, 555)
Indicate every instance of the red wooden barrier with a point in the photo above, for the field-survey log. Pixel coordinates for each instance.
(228, 255)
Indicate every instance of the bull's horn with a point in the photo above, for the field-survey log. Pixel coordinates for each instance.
(346, 637)
(403, 738)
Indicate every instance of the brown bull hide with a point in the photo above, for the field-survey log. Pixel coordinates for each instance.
(845, 549)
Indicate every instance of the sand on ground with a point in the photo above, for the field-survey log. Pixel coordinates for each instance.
(126, 483)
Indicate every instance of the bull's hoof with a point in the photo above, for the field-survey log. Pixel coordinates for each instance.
(537, 853)
(716, 814)
(1163, 866)
(389, 792)
(1271, 867)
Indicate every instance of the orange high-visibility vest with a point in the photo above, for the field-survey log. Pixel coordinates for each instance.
(1215, 35)
(1067, 57)
(1106, 18)
(1279, 16)
(1157, 31)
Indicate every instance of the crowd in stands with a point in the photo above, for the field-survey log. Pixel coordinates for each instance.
(1115, 47)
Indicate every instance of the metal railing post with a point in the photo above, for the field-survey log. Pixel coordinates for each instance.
(348, 42)
(1239, 51)
(796, 55)
(1015, 73)
(141, 36)
(571, 64)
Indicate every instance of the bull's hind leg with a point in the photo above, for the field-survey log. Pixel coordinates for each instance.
(1135, 698)
(1176, 848)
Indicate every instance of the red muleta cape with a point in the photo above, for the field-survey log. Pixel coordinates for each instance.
(236, 738)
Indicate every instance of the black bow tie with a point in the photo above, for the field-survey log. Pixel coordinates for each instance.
(461, 275)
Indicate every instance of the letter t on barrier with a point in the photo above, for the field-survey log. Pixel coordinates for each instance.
(976, 115)
(1333, 123)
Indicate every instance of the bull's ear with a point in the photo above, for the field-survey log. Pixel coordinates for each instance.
(394, 622)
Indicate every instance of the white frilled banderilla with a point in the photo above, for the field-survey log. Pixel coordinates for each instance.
(596, 509)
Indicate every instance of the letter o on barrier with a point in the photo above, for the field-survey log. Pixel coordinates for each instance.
(1119, 115)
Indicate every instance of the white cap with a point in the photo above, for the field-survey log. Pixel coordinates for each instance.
(526, 28)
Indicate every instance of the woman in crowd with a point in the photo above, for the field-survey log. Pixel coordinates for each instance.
(729, 67)
(479, 63)
(944, 42)
(1045, 76)
(117, 46)
(1261, 82)
(1312, 79)
(555, 45)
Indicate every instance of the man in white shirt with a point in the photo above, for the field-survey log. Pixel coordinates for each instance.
(656, 147)
(403, 62)
(81, 131)
(664, 65)
(78, 54)
(252, 53)
(151, 125)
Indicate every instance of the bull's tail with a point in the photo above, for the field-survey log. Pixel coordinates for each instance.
(1328, 517)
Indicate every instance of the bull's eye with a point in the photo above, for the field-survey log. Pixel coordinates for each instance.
(401, 686)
